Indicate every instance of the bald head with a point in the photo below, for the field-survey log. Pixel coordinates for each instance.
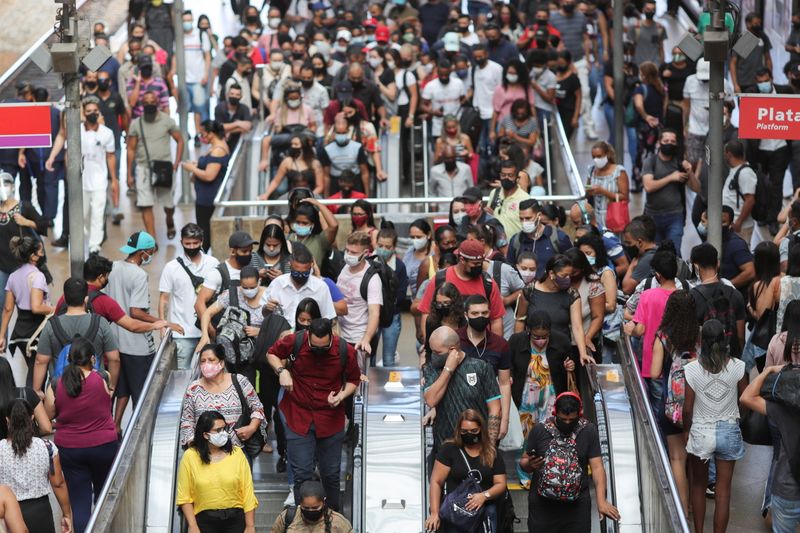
(577, 216)
(443, 339)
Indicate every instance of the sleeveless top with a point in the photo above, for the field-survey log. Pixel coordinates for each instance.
(609, 183)
(790, 290)
(84, 421)
(207, 190)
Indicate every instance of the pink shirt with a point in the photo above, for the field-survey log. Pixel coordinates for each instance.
(503, 98)
(84, 421)
(649, 312)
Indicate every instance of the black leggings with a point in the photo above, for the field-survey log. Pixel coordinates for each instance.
(38, 514)
(203, 214)
(221, 521)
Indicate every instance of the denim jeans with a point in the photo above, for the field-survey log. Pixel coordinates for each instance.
(184, 350)
(390, 336)
(85, 471)
(307, 450)
(785, 515)
(669, 227)
(195, 97)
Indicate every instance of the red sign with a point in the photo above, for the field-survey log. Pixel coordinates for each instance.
(769, 116)
(25, 126)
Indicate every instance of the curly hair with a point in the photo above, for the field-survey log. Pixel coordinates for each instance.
(679, 323)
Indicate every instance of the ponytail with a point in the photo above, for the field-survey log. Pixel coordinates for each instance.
(80, 356)
(20, 426)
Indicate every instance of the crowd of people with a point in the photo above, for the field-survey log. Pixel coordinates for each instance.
(511, 298)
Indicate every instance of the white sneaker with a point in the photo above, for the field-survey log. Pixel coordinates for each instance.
(289, 501)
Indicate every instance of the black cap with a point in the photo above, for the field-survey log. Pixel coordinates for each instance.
(344, 92)
(474, 194)
(144, 60)
(240, 239)
(491, 25)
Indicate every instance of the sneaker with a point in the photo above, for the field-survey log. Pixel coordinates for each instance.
(197, 141)
(61, 242)
(280, 467)
(117, 218)
(711, 491)
(289, 501)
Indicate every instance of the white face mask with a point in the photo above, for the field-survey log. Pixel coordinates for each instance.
(293, 104)
(512, 78)
(276, 65)
(6, 192)
(351, 260)
(274, 23)
(527, 276)
(419, 242)
(390, 64)
(271, 252)
(459, 217)
(374, 62)
(250, 293)
(600, 162)
(219, 439)
(529, 226)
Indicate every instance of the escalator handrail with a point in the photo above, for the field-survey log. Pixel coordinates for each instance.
(640, 403)
(129, 440)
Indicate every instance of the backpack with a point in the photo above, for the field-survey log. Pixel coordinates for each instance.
(514, 246)
(62, 307)
(487, 283)
(388, 288)
(561, 474)
(759, 212)
(719, 307)
(332, 264)
(454, 510)
(676, 389)
(231, 335)
(227, 284)
(62, 359)
(300, 338)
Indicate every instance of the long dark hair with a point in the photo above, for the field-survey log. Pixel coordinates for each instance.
(368, 209)
(595, 242)
(791, 325)
(306, 150)
(205, 422)
(311, 212)
(522, 75)
(767, 263)
(7, 386)
(678, 323)
(20, 426)
(714, 353)
(422, 225)
(80, 357)
(456, 305)
(23, 247)
(273, 231)
(488, 453)
(310, 306)
(581, 264)
(557, 262)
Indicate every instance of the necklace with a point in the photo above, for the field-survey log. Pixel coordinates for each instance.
(7, 216)
(481, 352)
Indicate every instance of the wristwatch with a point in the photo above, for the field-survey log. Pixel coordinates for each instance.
(448, 369)
(487, 495)
(280, 369)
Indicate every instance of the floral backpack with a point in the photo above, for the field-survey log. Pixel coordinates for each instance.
(676, 389)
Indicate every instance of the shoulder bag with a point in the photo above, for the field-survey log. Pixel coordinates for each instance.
(160, 171)
(252, 446)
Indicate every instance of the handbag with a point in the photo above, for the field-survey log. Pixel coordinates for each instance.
(764, 329)
(617, 215)
(783, 387)
(160, 171)
(514, 438)
(755, 428)
(454, 506)
(252, 446)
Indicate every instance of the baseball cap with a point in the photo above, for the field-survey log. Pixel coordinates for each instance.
(471, 250)
(703, 70)
(370, 23)
(451, 42)
(141, 240)
(382, 34)
(344, 34)
(473, 194)
(144, 60)
(343, 92)
(240, 239)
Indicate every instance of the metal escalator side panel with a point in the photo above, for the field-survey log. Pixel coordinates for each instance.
(393, 451)
(358, 489)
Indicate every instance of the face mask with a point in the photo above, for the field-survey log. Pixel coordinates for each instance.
(474, 272)
(543, 22)
(384, 253)
(300, 277)
(210, 370)
(540, 344)
(310, 515)
(5, 193)
(390, 65)
(301, 231)
(92, 118)
(537, 70)
(529, 226)
(562, 69)
(104, 84)
(702, 230)
(632, 251)
(187, 26)
(512, 78)
(218, 439)
(592, 259)
(450, 165)
(146, 72)
(458, 218)
(251, 19)
(150, 111)
(234, 101)
(479, 323)
(146, 261)
(678, 58)
(462, 73)
(191, 252)
(274, 23)
(445, 80)
(764, 86)
(566, 428)
(568, 8)
(91, 85)
(342, 139)
(669, 149)
(293, 104)
(419, 242)
(508, 184)
(319, 351)
(755, 29)
(294, 153)
(650, 15)
(470, 439)
(442, 309)
(796, 25)
(242, 260)
(271, 252)
(359, 220)
(250, 293)
(527, 276)
(307, 84)
(600, 162)
(374, 62)
(562, 283)
(352, 260)
(276, 65)
(426, 69)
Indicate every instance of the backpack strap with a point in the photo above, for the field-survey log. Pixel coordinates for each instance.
(371, 271)
(50, 454)
(497, 271)
(58, 331)
(94, 327)
(288, 518)
(512, 246)
(343, 360)
(299, 339)
(648, 283)
(192, 277)
(734, 186)
(438, 280)
(554, 240)
(93, 295)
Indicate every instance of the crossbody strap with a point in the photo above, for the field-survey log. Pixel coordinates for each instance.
(144, 141)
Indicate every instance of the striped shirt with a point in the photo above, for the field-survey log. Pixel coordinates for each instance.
(572, 29)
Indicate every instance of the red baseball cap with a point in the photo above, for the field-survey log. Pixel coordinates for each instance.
(382, 34)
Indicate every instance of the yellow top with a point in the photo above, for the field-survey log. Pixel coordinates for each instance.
(226, 484)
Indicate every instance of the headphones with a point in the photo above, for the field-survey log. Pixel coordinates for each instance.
(564, 394)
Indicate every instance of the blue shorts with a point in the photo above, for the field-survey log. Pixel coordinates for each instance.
(718, 440)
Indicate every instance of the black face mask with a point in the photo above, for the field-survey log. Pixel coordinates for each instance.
(566, 428)
(243, 260)
(562, 69)
(756, 29)
(104, 84)
(92, 118)
(147, 72)
(796, 25)
(631, 251)
(320, 351)
(150, 111)
(357, 84)
(650, 15)
(252, 19)
(669, 150)
(493, 40)
(442, 309)
(474, 272)
(234, 101)
(470, 438)
(310, 515)
(479, 323)
(449, 165)
(300, 327)
(294, 153)
(300, 278)
(191, 252)
(568, 8)
(445, 80)
(508, 184)
(297, 55)
(463, 29)
(319, 71)
(91, 85)
(482, 62)
(543, 22)
(444, 251)
(346, 193)
(307, 84)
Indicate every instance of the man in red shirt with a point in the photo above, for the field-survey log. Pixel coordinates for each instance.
(347, 184)
(541, 34)
(316, 384)
(469, 278)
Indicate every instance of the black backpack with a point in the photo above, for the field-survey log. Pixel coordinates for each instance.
(719, 306)
(794, 240)
(388, 288)
(515, 246)
(300, 338)
(332, 264)
(62, 307)
(227, 284)
(759, 212)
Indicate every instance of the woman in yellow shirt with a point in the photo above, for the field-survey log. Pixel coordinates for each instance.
(215, 487)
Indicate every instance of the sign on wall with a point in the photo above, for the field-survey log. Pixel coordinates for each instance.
(769, 116)
(25, 125)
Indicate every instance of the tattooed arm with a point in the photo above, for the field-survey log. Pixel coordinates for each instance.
(494, 420)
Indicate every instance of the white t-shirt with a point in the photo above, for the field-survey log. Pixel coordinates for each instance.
(214, 280)
(486, 81)
(697, 92)
(283, 290)
(176, 282)
(747, 185)
(446, 98)
(94, 147)
(546, 80)
(400, 78)
(196, 49)
(353, 325)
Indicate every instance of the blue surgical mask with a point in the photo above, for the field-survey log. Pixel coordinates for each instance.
(342, 139)
(764, 86)
(384, 253)
(702, 230)
(592, 259)
(301, 231)
(187, 26)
